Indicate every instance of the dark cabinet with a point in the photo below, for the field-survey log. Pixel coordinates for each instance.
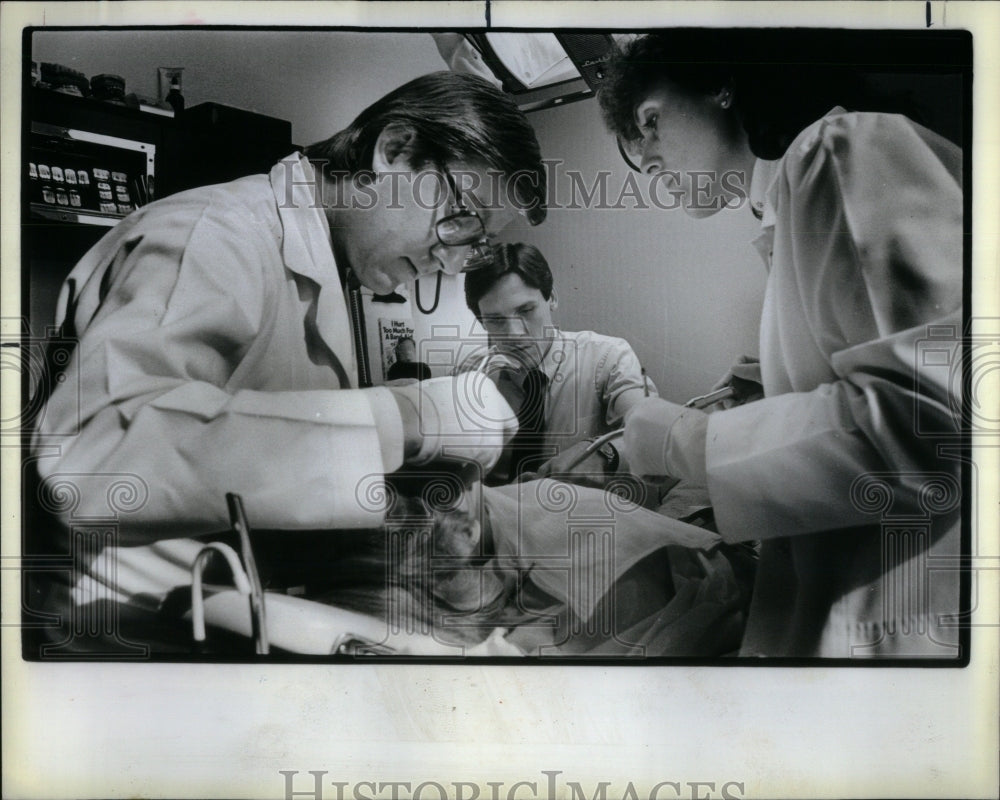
(219, 143)
(87, 164)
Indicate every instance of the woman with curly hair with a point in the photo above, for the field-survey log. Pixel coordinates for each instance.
(861, 234)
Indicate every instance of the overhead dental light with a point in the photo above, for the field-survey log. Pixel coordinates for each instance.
(540, 70)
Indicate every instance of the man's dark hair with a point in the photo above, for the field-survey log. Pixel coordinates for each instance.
(455, 117)
(519, 259)
(781, 81)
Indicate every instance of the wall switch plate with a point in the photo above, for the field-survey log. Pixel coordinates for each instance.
(165, 77)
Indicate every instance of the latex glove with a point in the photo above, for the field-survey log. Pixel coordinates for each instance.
(664, 438)
(464, 417)
(744, 376)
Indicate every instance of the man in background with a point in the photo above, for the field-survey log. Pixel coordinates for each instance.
(568, 387)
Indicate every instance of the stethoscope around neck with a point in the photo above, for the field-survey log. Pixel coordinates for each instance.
(437, 295)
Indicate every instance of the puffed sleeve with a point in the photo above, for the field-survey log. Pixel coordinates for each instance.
(622, 384)
(150, 391)
(867, 257)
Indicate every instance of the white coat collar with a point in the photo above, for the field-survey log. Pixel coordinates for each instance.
(762, 197)
(307, 249)
(306, 245)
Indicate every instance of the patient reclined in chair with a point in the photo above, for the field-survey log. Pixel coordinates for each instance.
(541, 568)
(552, 568)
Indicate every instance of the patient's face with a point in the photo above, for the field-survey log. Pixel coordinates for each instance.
(518, 320)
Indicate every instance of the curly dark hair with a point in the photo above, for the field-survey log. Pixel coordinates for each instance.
(781, 81)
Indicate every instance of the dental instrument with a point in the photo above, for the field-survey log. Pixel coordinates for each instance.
(238, 521)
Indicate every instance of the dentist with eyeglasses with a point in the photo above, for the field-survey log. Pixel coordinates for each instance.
(215, 351)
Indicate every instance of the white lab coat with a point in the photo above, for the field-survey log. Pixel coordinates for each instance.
(215, 356)
(862, 235)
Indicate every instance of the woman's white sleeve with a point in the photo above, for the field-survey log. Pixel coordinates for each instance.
(869, 244)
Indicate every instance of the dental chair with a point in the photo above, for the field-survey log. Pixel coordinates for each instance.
(289, 623)
(296, 625)
(291, 594)
(679, 591)
(279, 619)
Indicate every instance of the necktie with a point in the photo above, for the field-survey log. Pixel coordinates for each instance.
(526, 447)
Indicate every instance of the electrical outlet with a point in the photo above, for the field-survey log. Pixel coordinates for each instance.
(165, 78)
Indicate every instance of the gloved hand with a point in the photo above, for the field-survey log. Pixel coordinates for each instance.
(664, 438)
(464, 416)
(744, 377)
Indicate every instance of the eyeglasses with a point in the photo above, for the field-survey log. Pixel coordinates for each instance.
(629, 150)
(463, 228)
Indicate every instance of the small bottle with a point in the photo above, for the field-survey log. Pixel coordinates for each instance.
(174, 96)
